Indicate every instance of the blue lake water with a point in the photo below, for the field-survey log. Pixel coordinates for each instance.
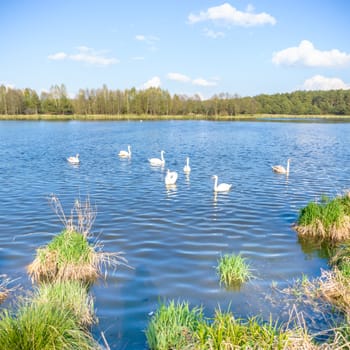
(172, 238)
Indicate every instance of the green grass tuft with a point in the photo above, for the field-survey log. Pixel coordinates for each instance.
(70, 247)
(173, 326)
(42, 326)
(233, 270)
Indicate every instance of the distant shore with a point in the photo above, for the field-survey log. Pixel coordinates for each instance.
(122, 117)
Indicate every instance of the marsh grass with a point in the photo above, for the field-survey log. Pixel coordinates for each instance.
(330, 290)
(72, 296)
(173, 326)
(43, 326)
(233, 270)
(177, 327)
(327, 220)
(70, 255)
(341, 259)
(228, 332)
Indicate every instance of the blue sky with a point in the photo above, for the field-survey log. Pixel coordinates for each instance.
(184, 46)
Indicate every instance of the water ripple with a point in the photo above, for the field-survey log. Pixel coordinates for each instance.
(172, 237)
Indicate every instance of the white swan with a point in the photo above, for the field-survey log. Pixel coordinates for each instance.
(222, 187)
(74, 160)
(157, 161)
(187, 167)
(171, 177)
(125, 154)
(281, 169)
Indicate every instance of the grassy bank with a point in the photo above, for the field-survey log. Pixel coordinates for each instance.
(124, 117)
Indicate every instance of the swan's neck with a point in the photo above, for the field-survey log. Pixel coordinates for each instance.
(188, 161)
(161, 156)
(288, 167)
(129, 150)
(215, 183)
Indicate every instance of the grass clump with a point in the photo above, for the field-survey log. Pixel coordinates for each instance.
(177, 327)
(70, 255)
(173, 326)
(227, 332)
(42, 326)
(72, 296)
(233, 270)
(328, 220)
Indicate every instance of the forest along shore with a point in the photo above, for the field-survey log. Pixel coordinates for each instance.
(121, 117)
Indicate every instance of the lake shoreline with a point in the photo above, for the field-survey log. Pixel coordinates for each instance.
(131, 117)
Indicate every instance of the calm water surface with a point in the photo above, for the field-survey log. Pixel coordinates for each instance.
(172, 238)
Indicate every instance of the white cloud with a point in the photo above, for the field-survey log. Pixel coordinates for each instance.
(153, 82)
(57, 56)
(319, 82)
(186, 79)
(149, 40)
(85, 54)
(178, 77)
(306, 54)
(203, 82)
(214, 35)
(140, 37)
(229, 15)
(138, 58)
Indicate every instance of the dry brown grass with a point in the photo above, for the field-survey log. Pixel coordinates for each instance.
(331, 287)
(4, 288)
(298, 337)
(3, 294)
(334, 288)
(48, 270)
(335, 233)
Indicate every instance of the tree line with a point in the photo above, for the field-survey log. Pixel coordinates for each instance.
(156, 101)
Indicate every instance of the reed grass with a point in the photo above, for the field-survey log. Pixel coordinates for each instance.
(173, 326)
(327, 220)
(233, 270)
(43, 326)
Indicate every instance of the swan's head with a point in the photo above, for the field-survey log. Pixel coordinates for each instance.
(214, 177)
(162, 152)
(77, 155)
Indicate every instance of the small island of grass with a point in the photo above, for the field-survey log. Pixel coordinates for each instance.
(327, 220)
(233, 270)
